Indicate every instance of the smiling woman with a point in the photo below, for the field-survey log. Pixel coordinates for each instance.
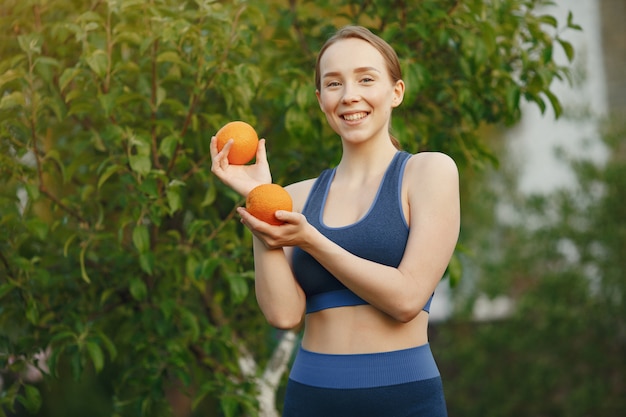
(387, 63)
(363, 250)
(356, 91)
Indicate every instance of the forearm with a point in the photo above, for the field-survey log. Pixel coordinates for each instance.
(278, 294)
(387, 288)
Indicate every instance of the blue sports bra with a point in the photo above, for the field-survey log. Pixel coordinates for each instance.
(380, 236)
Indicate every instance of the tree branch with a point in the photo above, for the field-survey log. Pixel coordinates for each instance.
(195, 97)
(296, 27)
(5, 262)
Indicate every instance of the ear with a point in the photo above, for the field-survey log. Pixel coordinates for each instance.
(319, 100)
(398, 93)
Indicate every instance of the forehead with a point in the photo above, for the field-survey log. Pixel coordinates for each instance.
(347, 54)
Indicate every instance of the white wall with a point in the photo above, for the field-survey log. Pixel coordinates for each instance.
(534, 140)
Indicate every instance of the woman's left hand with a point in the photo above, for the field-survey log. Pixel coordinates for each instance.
(291, 233)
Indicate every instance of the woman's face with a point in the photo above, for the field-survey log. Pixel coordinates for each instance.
(356, 91)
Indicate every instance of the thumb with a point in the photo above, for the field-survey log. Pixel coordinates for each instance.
(287, 216)
(261, 151)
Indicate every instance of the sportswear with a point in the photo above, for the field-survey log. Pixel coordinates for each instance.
(402, 383)
(379, 236)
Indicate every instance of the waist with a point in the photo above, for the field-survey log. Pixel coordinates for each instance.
(364, 370)
(361, 329)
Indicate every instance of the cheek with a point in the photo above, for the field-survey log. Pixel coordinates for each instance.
(327, 103)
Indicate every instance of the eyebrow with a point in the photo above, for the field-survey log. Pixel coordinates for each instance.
(356, 71)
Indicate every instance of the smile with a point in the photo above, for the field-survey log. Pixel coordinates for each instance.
(354, 116)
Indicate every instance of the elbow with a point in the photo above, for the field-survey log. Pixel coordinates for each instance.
(405, 316)
(284, 321)
(407, 312)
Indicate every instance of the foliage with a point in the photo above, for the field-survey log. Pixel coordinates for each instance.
(119, 253)
(562, 262)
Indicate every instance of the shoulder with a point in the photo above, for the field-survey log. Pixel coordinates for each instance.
(430, 173)
(431, 166)
(432, 162)
(299, 191)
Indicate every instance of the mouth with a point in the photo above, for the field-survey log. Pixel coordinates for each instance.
(353, 117)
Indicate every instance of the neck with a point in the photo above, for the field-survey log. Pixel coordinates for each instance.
(362, 162)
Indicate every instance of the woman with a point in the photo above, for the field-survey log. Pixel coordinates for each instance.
(363, 250)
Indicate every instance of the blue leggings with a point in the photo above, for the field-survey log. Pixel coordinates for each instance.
(403, 383)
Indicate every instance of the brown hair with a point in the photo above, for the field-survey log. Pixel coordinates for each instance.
(360, 32)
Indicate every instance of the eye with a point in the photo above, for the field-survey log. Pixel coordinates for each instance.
(333, 84)
(367, 80)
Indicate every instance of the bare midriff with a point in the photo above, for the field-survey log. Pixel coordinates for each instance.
(361, 329)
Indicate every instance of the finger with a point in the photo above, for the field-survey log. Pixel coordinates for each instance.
(261, 151)
(287, 216)
(220, 159)
(213, 146)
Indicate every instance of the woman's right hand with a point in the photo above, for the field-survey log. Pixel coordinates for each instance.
(241, 178)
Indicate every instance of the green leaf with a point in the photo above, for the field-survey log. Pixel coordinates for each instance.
(31, 399)
(68, 242)
(67, 76)
(54, 156)
(108, 344)
(174, 199)
(96, 355)
(10, 75)
(209, 196)
(98, 62)
(63, 336)
(138, 288)
(33, 191)
(30, 43)
(107, 173)
(32, 311)
(208, 267)
(38, 228)
(170, 56)
(6, 288)
(11, 100)
(570, 22)
(229, 405)
(549, 20)
(83, 269)
(140, 164)
(146, 262)
(107, 101)
(513, 94)
(168, 145)
(567, 48)
(141, 238)
(191, 322)
(556, 104)
(160, 96)
(238, 287)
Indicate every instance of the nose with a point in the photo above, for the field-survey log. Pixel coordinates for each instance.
(350, 93)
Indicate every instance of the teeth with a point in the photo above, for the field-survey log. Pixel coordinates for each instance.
(355, 116)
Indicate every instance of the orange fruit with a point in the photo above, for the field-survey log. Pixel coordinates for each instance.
(245, 140)
(263, 201)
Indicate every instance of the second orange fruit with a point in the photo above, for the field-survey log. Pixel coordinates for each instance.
(263, 201)
(245, 141)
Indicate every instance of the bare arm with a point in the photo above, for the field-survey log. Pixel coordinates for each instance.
(280, 297)
(433, 196)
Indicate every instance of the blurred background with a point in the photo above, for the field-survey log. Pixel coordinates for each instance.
(125, 281)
